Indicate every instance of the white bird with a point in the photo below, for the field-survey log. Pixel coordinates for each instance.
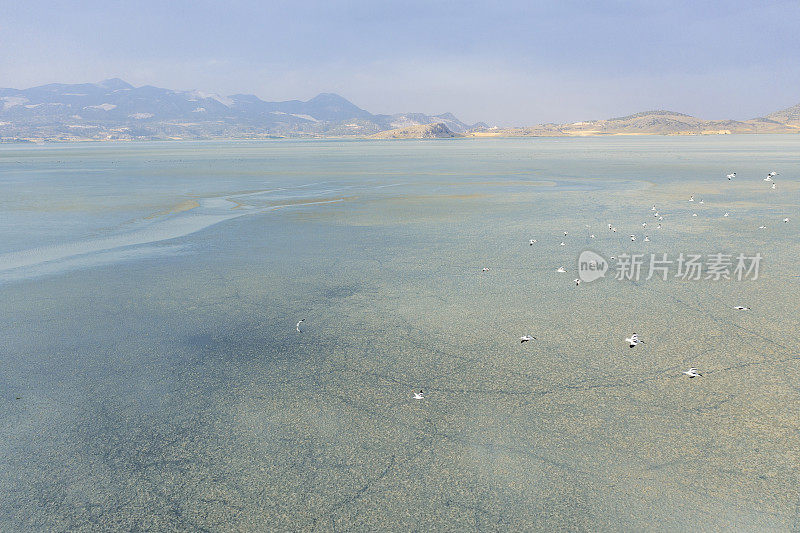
(644, 224)
(485, 269)
(646, 238)
(701, 202)
(731, 176)
(419, 396)
(660, 218)
(694, 214)
(741, 308)
(656, 215)
(659, 226)
(726, 214)
(577, 281)
(532, 242)
(561, 269)
(691, 198)
(772, 174)
(786, 220)
(634, 340)
(693, 373)
(762, 227)
(774, 185)
(562, 243)
(768, 178)
(614, 230)
(297, 326)
(591, 236)
(526, 338)
(609, 226)
(653, 208)
(633, 237)
(565, 234)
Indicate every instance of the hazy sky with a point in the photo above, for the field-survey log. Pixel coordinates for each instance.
(508, 63)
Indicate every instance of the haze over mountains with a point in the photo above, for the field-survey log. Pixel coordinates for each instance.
(115, 110)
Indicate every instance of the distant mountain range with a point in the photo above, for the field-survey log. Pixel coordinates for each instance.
(114, 109)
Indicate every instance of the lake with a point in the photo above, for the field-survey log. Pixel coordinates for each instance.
(152, 377)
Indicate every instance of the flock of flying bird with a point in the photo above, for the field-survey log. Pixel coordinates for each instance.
(634, 339)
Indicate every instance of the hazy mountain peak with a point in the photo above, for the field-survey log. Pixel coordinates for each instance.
(448, 116)
(115, 84)
(331, 98)
(332, 107)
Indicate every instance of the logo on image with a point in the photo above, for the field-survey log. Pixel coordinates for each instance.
(591, 266)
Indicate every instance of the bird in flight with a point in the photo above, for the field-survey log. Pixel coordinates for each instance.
(741, 308)
(634, 340)
(419, 396)
(731, 176)
(526, 338)
(693, 373)
(297, 326)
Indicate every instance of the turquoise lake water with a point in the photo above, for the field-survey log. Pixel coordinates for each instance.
(151, 377)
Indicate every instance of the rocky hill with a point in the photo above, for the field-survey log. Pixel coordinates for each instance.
(789, 116)
(424, 131)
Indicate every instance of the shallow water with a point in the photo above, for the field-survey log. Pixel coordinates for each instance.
(151, 376)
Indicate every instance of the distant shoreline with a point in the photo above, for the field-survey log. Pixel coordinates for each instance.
(465, 137)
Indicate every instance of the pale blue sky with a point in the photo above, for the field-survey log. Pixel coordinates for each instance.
(507, 63)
